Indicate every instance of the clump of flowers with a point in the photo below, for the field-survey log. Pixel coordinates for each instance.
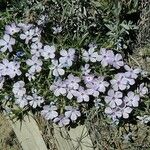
(63, 83)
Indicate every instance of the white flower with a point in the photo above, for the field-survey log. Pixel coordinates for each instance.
(49, 112)
(85, 69)
(36, 49)
(82, 95)
(131, 73)
(58, 87)
(19, 89)
(6, 43)
(27, 35)
(48, 52)
(10, 68)
(73, 81)
(88, 79)
(96, 86)
(119, 82)
(62, 121)
(72, 113)
(35, 64)
(114, 98)
(57, 68)
(35, 100)
(11, 29)
(67, 57)
(30, 75)
(25, 27)
(142, 90)
(22, 101)
(90, 55)
(118, 62)
(57, 29)
(132, 99)
(106, 57)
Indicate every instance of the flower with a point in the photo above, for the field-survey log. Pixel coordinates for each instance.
(35, 100)
(11, 29)
(58, 87)
(10, 68)
(85, 69)
(88, 79)
(142, 90)
(90, 55)
(131, 73)
(72, 113)
(57, 30)
(73, 81)
(30, 75)
(82, 95)
(67, 57)
(97, 103)
(57, 68)
(61, 120)
(22, 101)
(105, 57)
(118, 62)
(36, 49)
(19, 89)
(27, 35)
(119, 82)
(114, 98)
(6, 43)
(98, 85)
(49, 112)
(48, 51)
(35, 64)
(132, 99)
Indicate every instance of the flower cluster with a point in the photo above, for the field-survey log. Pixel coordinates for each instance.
(61, 82)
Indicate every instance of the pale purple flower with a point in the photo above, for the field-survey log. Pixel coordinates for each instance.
(57, 68)
(49, 112)
(88, 79)
(106, 57)
(62, 121)
(118, 61)
(85, 69)
(10, 68)
(48, 52)
(73, 81)
(58, 87)
(35, 64)
(67, 57)
(36, 49)
(22, 101)
(25, 27)
(18, 89)
(90, 55)
(114, 98)
(119, 82)
(6, 43)
(131, 73)
(132, 99)
(70, 92)
(82, 95)
(72, 113)
(11, 29)
(30, 75)
(142, 90)
(27, 35)
(98, 85)
(35, 100)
